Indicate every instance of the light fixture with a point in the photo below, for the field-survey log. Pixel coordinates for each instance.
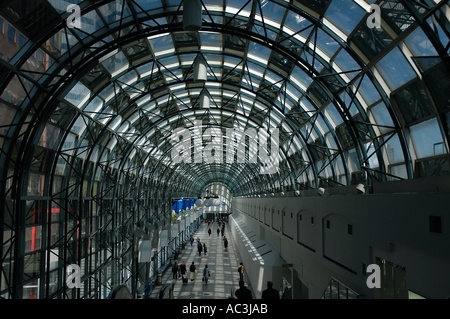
(199, 202)
(204, 99)
(192, 15)
(208, 202)
(361, 188)
(321, 191)
(200, 73)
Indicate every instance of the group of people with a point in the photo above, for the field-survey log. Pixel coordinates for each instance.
(244, 293)
(200, 247)
(179, 272)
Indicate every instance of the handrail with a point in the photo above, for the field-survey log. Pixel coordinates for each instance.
(162, 257)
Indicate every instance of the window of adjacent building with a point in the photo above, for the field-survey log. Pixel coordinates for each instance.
(11, 34)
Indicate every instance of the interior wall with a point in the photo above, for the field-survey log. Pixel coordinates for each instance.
(338, 236)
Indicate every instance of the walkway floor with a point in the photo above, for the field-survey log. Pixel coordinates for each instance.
(222, 265)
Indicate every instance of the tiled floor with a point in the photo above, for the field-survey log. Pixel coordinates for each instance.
(222, 264)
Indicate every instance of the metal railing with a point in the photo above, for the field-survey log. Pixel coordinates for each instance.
(162, 258)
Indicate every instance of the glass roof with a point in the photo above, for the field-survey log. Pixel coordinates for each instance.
(352, 104)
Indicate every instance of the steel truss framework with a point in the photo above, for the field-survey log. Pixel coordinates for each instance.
(87, 115)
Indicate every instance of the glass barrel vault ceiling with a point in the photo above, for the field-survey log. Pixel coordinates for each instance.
(112, 90)
(87, 112)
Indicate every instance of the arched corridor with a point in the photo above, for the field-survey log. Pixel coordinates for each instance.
(282, 113)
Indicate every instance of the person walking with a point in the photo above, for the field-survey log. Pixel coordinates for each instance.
(192, 270)
(270, 292)
(199, 248)
(204, 248)
(191, 240)
(218, 231)
(175, 270)
(209, 232)
(206, 274)
(225, 243)
(183, 270)
(241, 272)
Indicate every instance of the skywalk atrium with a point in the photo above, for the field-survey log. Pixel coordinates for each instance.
(321, 127)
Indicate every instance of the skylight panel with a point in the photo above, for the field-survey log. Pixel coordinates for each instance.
(78, 95)
(395, 69)
(116, 64)
(344, 15)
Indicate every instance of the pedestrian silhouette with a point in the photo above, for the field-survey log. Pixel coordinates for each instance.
(241, 272)
(270, 292)
(243, 292)
(192, 270)
(175, 271)
(206, 274)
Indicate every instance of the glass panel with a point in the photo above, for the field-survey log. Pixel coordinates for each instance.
(395, 69)
(272, 11)
(419, 44)
(36, 185)
(346, 63)
(438, 82)
(435, 166)
(371, 41)
(49, 136)
(427, 139)
(78, 94)
(161, 43)
(368, 90)
(113, 11)
(440, 33)
(344, 14)
(399, 171)
(326, 43)
(116, 63)
(414, 103)
(333, 114)
(397, 14)
(394, 150)
(147, 4)
(382, 117)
